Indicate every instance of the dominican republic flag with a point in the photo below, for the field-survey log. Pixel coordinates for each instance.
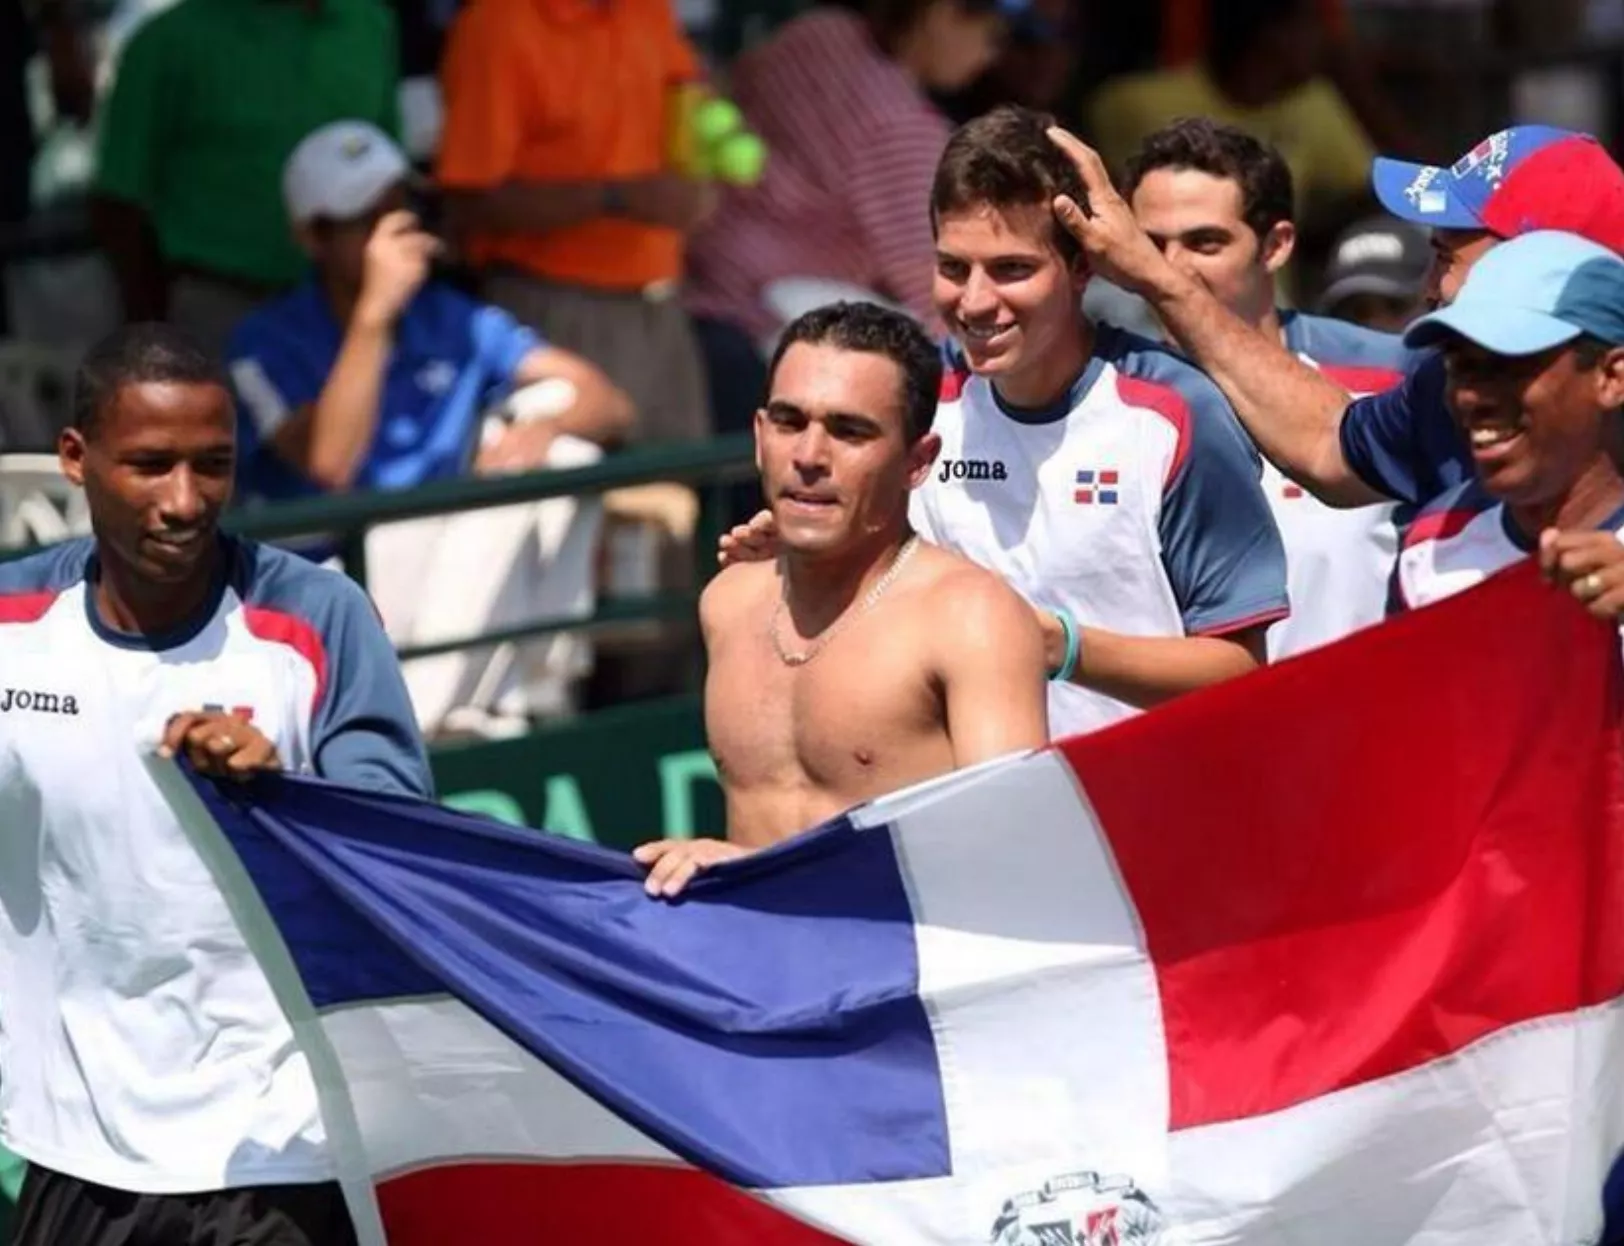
(1331, 955)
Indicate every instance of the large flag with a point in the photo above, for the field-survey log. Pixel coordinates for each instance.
(1331, 955)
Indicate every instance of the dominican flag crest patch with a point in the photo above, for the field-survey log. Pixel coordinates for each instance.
(1096, 487)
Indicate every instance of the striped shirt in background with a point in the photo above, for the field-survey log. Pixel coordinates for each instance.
(846, 192)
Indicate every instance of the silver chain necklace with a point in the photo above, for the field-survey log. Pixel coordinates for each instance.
(829, 633)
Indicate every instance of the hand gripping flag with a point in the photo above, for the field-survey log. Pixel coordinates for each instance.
(1332, 954)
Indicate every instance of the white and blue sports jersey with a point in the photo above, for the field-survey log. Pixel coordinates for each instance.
(1339, 561)
(452, 357)
(1403, 443)
(1459, 541)
(140, 1044)
(1133, 503)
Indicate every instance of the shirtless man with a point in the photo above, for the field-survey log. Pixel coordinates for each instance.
(861, 660)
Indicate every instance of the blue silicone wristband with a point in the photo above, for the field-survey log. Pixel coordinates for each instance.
(1074, 648)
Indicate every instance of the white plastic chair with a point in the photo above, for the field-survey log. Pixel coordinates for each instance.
(37, 504)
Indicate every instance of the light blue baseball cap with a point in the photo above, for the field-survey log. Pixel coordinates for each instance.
(1533, 293)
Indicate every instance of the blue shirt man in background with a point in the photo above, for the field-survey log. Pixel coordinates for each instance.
(374, 374)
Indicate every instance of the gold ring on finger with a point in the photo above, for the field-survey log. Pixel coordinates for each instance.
(1590, 586)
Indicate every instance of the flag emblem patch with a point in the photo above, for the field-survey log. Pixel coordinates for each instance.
(1096, 487)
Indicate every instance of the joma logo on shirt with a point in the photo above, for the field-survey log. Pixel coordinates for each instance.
(36, 701)
(972, 469)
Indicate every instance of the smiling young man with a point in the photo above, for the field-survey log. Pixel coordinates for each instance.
(147, 1073)
(1219, 205)
(862, 659)
(1104, 478)
(1533, 353)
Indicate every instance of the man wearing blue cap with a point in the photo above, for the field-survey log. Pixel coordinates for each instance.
(1401, 445)
(1533, 357)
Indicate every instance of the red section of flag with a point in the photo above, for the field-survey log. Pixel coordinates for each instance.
(506, 1204)
(1433, 851)
(1083, 496)
(1108, 478)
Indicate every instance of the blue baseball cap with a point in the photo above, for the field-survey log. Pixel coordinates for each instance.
(1533, 293)
(1530, 177)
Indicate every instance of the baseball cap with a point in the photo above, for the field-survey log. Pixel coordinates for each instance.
(341, 170)
(1379, 255)
(1526, 178)
(1532, 293)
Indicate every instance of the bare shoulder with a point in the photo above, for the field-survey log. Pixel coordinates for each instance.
(978, 604)
(736, 590)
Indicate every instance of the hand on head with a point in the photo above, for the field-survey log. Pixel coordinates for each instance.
(1116, 247)
(219, 744)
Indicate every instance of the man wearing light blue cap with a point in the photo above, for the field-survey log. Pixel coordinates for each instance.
(1533, 358)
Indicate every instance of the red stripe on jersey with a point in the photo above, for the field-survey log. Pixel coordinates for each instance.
(1166, 402)
(1437, 526)
(297, 634)
(952, 385)
(1358, 380)
(25, 607)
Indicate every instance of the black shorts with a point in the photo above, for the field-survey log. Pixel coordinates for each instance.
(58, 1210)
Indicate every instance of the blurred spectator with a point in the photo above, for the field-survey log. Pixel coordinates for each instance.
(373, 374)
(1376, 274)
(555, 162)
(1035, 65)
(840, 98)
(71, 89)
(209, 99)
(1262, 72)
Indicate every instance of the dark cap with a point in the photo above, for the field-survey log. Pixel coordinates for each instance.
(1380, 255)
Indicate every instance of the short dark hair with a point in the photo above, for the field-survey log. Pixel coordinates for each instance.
(1207, 146)
(138, 354)
(1003, 159)
(876, 330)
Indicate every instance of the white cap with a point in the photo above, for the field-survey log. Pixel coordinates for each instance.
(341, 170)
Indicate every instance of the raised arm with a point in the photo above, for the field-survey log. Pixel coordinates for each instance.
(1292, 411)
(990, 663)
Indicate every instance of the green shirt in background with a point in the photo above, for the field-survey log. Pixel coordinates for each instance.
(210, 98)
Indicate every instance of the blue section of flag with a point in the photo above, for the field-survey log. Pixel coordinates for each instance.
(768, 1027)
(1085, 476)
(1108, 497)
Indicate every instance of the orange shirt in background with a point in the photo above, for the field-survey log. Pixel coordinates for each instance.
(565, 90)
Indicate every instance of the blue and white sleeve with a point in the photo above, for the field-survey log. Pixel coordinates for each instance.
(364, 733)
(501, 343)
(1220, 546)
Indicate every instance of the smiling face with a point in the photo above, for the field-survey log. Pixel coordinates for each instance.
(831, 445)
(1005, 291)
(1536, 423)
(1198, 221)
(156, 467)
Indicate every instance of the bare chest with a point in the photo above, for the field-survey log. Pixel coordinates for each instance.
(860, 718)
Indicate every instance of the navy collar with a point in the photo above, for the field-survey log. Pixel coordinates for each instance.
(183, 632)
(1073, 394)
(1528, 544)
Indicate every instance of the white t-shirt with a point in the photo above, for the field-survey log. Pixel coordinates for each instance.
(140, 1044)
(1134, 504)
(1339, 560)
(1459, 541)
